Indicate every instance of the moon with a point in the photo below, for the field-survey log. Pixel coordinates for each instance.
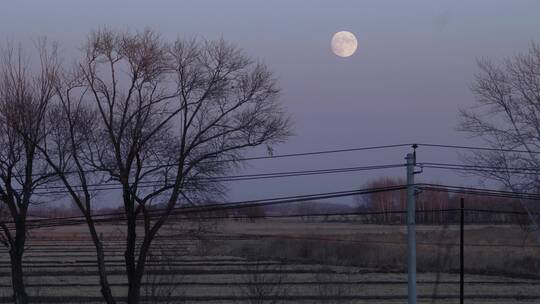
(344, 44)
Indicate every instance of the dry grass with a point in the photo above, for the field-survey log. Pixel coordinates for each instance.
(308, 262)
(488, 249)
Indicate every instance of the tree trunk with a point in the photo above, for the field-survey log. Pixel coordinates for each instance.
(17, 281)
(16, 255)
(103, 281)
(136, 273)
(134, 282)
(134, 289)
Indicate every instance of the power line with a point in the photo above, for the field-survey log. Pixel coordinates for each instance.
(498, 211)
(202, 205)
(262, 157)
(347, 169)
(328, 214)
(322, 152)
(230, 178)
(220, 206)
(298, 198)
(478, 191)
(480, 168)
(462, 147)
(304, 215)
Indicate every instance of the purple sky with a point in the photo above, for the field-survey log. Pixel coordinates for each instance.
(410, 74)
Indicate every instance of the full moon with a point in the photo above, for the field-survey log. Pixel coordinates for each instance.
(344, 44)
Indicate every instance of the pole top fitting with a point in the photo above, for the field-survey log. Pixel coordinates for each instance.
(414, 146)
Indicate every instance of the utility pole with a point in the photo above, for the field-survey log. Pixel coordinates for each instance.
(411, 227)
(461, 251)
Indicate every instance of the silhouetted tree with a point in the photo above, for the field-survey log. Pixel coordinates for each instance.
(507, 117)
(169, 116)
(25, 92)
(70, 142)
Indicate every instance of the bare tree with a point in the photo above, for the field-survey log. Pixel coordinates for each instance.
(392, 201)
(169, 118)
(386, 202)
(507, 117)
(70, 139)
(25, 92)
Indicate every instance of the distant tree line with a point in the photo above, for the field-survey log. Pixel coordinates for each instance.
(431, 206)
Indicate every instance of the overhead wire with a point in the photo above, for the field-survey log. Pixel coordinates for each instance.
(261, 157)
(230, 178)
(228, 206)
(480, 168)
(466, 147)
(432, 187)
(478, 191)
(299, 198)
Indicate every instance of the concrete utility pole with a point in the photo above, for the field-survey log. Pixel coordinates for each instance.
(411, 228)
(461, 251)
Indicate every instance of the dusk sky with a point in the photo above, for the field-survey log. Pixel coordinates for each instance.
(406, 82)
